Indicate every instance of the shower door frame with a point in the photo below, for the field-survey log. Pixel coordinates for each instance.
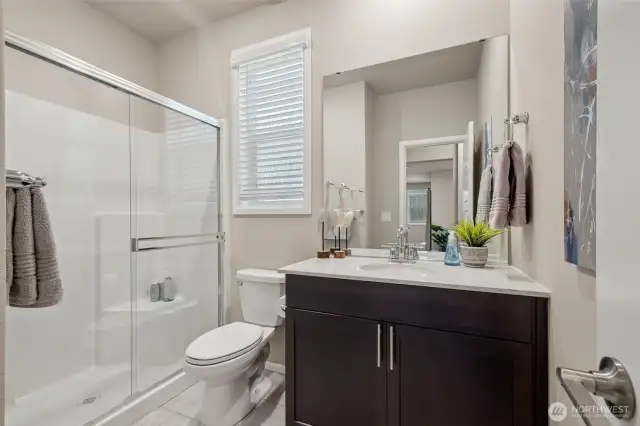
(63, 60)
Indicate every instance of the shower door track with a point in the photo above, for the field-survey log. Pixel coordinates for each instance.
(58, 57)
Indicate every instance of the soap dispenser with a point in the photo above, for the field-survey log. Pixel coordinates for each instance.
(452, 257)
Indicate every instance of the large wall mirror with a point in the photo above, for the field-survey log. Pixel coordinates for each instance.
(409, 139)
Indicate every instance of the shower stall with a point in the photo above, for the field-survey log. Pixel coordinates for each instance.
(133, 192)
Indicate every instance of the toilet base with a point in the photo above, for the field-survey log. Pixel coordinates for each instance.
(227, 404)
(260, 389)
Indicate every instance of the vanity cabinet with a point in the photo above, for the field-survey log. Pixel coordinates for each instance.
(337, 377)
(365, 353)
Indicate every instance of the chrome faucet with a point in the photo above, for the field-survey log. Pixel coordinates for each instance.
(402, 250)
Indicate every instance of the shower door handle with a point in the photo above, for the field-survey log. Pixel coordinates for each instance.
(611, 382)
(189, 240)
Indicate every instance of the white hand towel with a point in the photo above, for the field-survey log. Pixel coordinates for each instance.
(518, 196)
(24, 290)
(499, 215)
(484, 195)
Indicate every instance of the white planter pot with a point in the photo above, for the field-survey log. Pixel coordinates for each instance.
(474, 257)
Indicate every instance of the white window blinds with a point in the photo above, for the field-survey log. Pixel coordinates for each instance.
(191, 148)
(272, 131)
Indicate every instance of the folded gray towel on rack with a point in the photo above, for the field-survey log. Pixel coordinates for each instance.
(24, 290)
(518, 196)
(499, 214)
(47, 271)
(36, 276)
(484, 195)
(11, 207)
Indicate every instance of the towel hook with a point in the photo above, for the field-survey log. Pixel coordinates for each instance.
(520, 118)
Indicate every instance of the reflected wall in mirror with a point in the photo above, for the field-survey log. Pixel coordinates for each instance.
(370, 113)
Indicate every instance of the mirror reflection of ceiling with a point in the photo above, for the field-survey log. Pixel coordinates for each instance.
(429, 69)
(426, 167)
(160, 20)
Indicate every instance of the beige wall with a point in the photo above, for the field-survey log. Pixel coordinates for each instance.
(81, 31)
(429, 112)
(367, 219)
(537, 70)
(345, 149)
(493, 86)
(493, 104)
(346, 34)
(78, 29)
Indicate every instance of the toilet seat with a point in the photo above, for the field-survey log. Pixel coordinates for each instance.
(223, 344)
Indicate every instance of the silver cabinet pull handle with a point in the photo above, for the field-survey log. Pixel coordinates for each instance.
(611, 382)
(391, 339)
(379, 353)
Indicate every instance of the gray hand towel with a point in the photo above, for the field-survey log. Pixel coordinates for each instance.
(47, 271)
(23, 291)
(11, 207)
(518, 196)
(498, 217)
(484, 195)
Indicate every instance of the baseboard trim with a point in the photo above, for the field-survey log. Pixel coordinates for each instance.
(275, 367)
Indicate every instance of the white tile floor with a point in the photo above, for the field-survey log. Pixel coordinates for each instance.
(182, 410)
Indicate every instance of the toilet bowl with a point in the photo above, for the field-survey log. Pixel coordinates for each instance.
(230, 359)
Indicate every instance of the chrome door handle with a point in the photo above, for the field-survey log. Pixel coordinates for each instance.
(379, 352)
(611, 382)
(391, 339)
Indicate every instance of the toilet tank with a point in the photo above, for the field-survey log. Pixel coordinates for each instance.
(260, 290)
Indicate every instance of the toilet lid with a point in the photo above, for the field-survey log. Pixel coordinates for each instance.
(224, 343)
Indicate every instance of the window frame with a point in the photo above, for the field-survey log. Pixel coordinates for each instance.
(252, 52)
(419, 191)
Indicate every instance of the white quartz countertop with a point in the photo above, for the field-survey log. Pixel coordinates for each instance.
(491, 279)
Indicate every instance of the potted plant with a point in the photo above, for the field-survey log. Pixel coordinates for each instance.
(473, 242)
(440, 235)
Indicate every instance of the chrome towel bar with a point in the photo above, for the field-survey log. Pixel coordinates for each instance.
(16, 179)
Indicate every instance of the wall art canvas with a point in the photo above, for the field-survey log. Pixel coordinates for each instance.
(580, 121)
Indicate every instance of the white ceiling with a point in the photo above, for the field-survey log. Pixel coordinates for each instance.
(429, 69)
(160, 20)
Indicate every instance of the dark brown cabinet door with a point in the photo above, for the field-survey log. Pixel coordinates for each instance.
(334, 374)
(449, 379)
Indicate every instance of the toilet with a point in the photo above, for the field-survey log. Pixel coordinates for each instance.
(230, 360)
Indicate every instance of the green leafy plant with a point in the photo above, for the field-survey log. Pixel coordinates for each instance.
(475, 234)
(439, 235)
(435, 227)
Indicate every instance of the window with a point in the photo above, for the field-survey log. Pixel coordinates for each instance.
(417, 206)
(190, 148)
(272, 126)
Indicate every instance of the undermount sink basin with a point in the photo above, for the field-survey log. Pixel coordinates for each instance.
(412, 268)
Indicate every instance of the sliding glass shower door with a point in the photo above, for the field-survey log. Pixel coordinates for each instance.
(175, 228)
(69, 363)
(133, 200)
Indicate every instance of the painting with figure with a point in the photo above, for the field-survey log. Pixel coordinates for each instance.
(580, 90)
